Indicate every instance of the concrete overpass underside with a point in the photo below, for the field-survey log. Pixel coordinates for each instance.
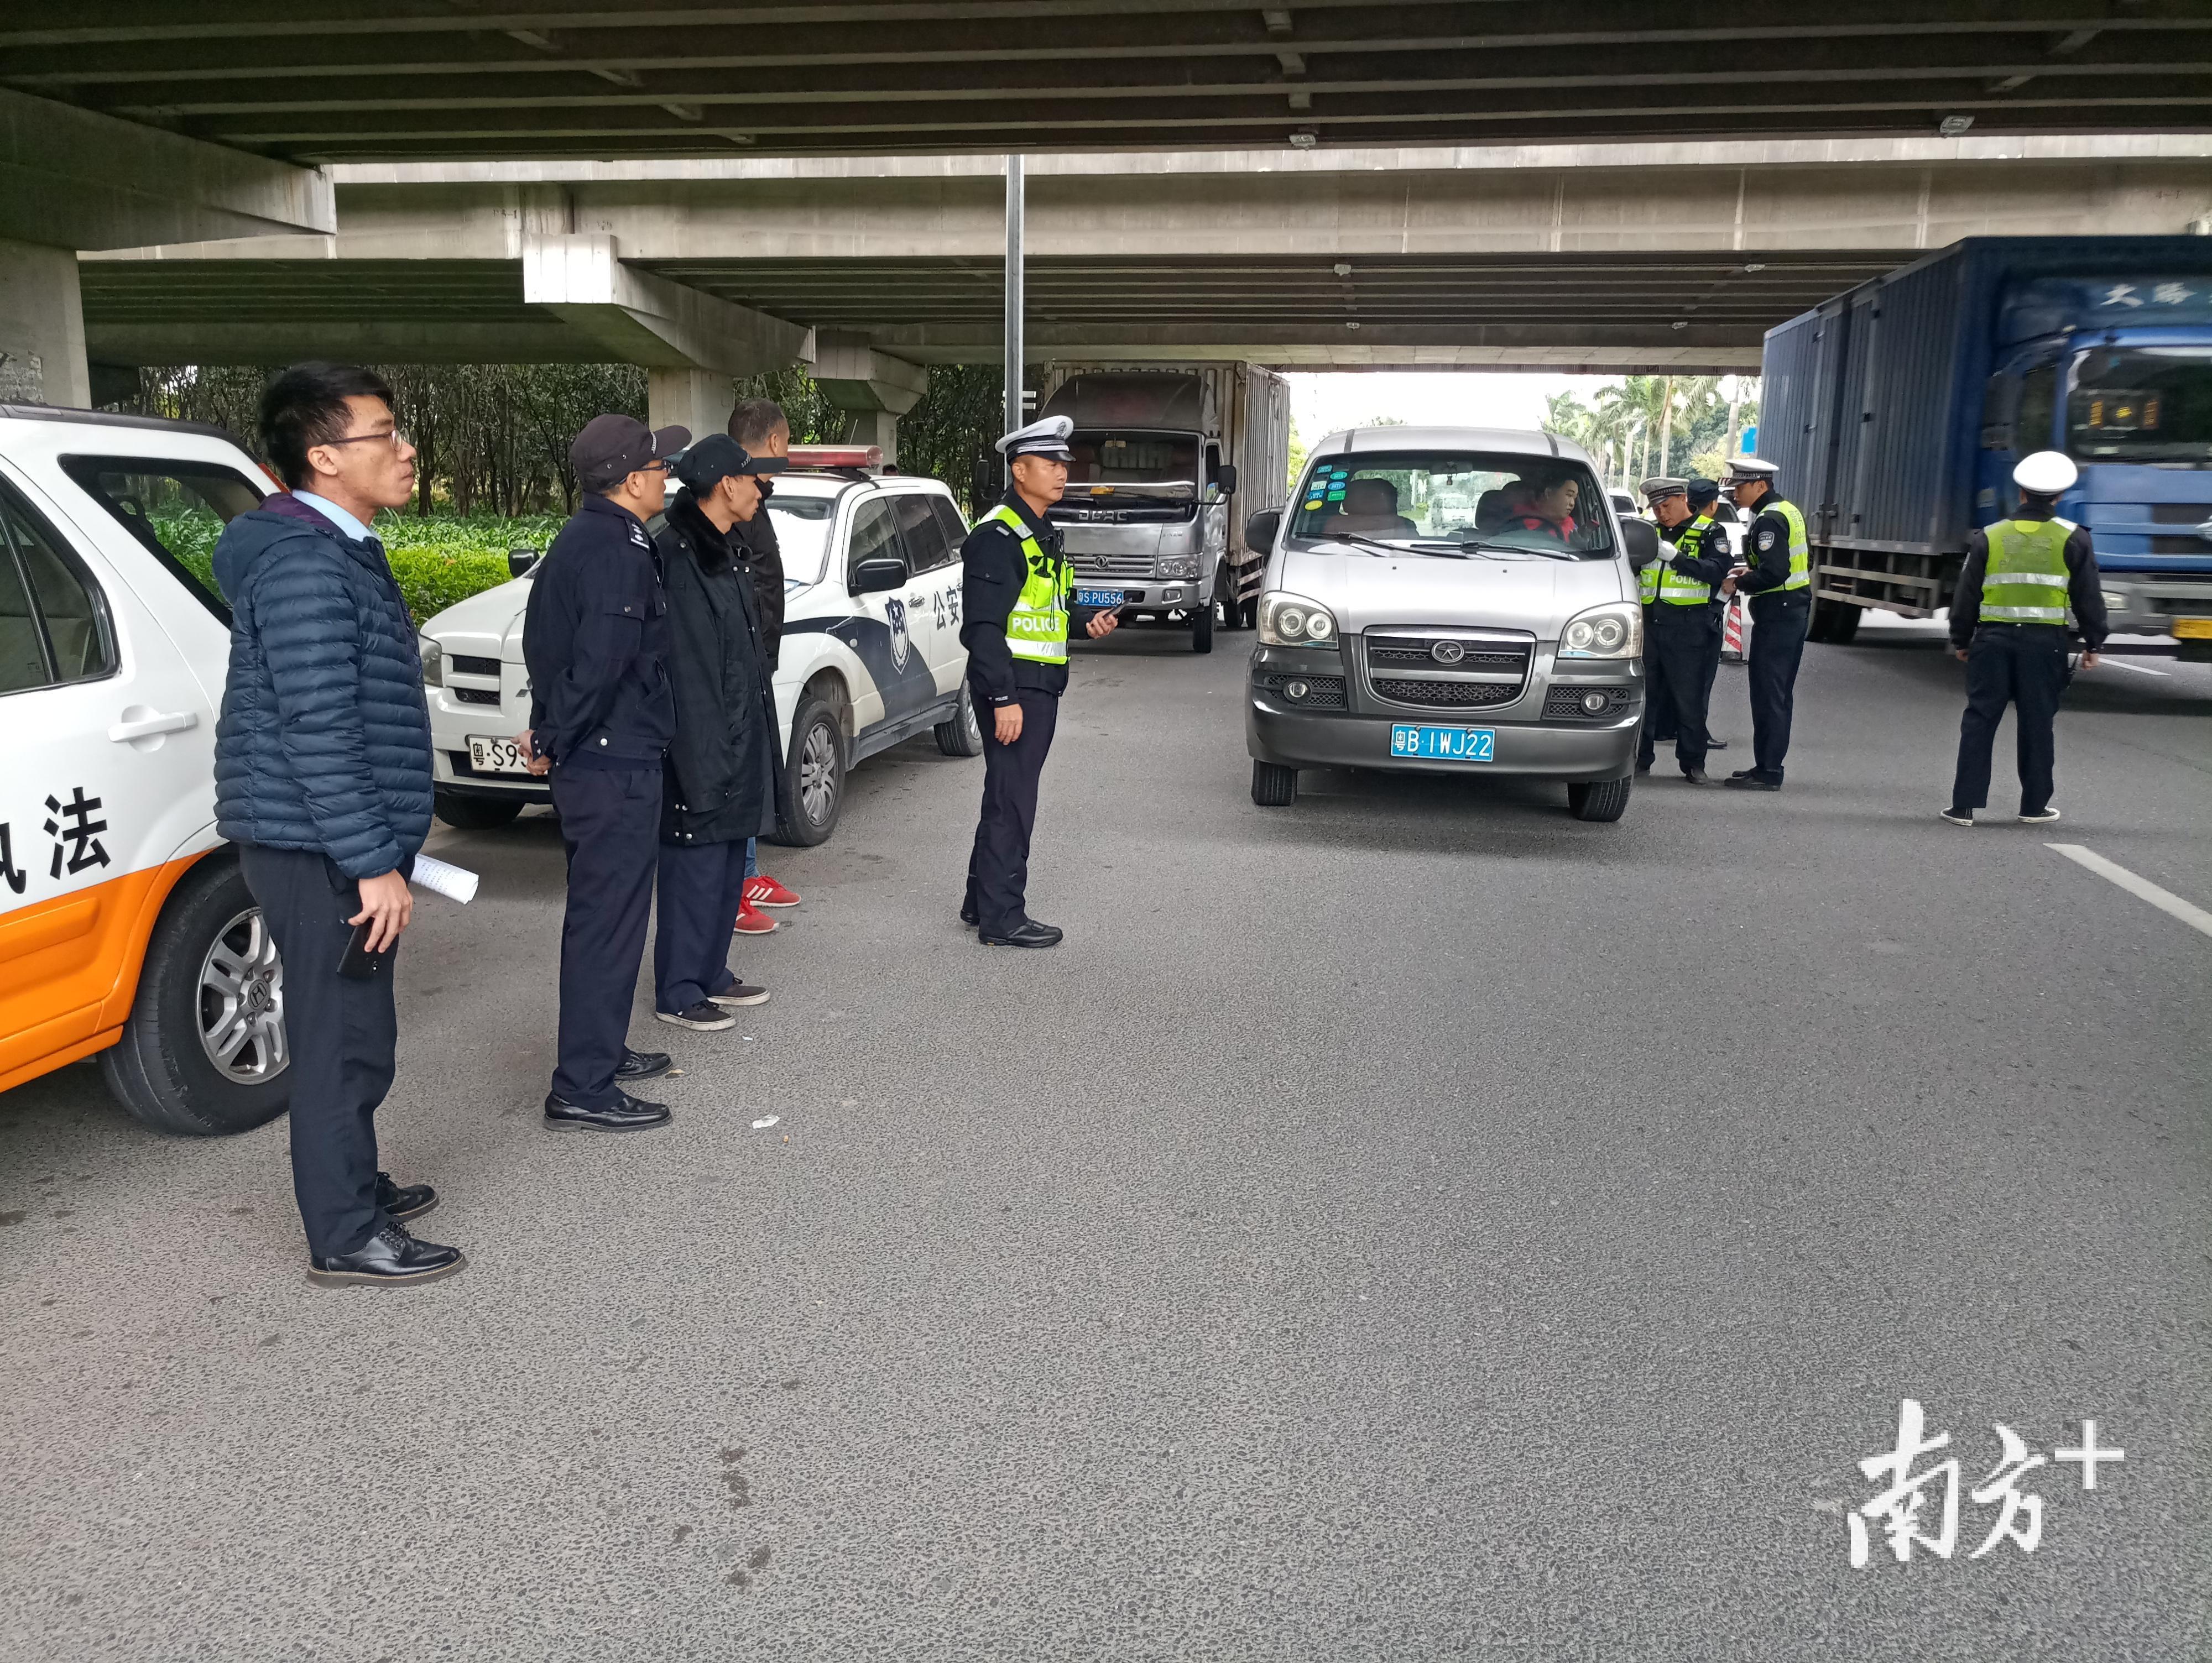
(466, 78)
(1676, 256)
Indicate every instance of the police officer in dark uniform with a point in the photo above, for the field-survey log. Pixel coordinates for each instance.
(596, 638)
(1704, 498)
(1017, 591)
(1680, 583)
(1777, 575)
(2008, 623)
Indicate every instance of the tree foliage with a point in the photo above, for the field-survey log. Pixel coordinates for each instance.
(1633, 425)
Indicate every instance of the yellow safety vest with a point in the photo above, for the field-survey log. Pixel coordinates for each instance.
(1672, 588)
(1801, 546)
(2025, 580)
(1036, 628)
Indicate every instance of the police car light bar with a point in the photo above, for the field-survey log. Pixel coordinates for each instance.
(836, 455)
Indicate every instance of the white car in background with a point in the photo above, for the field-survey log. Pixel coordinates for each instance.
(870, 652)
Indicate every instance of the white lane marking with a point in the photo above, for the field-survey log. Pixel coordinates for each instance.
(2140, 669)
(2165, 899)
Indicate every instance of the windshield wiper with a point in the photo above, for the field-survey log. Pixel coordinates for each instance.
(1388, 548)
(1520, 549)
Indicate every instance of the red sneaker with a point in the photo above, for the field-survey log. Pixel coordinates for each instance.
(762, 890)
(752, 922)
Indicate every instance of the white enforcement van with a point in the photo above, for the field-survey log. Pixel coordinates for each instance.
(870, 652)
(126, 929)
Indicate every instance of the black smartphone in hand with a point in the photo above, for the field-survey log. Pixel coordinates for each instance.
(358, 963)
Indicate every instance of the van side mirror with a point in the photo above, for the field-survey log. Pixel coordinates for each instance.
(1641, 538)
(874, 577)
(519, 562)
(1226, 476)
(1259, 529)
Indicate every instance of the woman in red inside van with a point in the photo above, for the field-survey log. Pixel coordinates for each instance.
(1550, 506)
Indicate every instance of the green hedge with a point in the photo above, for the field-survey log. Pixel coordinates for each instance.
(438, 562)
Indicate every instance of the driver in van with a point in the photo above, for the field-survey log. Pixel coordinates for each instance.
(1371, 509)
(1550, 507)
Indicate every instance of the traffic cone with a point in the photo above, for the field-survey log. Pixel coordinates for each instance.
(1732, 629)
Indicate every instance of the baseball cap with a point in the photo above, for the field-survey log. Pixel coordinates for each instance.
(612, 447)
(716, 456)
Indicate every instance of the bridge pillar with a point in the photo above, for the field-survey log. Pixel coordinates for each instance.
(698, 399)
(42, 358)
(873, 388)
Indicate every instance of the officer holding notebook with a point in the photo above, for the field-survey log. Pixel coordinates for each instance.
(1019, 605)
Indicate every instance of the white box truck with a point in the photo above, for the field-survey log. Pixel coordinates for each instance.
(1170, 462)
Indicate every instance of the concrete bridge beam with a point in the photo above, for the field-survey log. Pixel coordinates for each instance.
(873, 388)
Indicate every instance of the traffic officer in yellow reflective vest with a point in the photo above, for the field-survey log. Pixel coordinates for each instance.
(2008, 623)
(1017, 598)
(1777, 575)
(1677, 590)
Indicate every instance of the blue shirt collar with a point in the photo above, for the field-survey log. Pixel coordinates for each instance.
(338, 516)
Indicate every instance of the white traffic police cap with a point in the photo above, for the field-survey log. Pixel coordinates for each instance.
(1653, 489)
(2046, 473)
(1047, 438)
(1742, 469)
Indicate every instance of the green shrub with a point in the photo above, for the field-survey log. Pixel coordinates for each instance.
(438, 562)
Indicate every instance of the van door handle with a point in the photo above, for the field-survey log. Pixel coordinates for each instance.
(145, 727)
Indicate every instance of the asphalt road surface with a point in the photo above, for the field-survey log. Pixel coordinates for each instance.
(1409, 1224)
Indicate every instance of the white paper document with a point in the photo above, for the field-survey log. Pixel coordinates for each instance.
(453, 882)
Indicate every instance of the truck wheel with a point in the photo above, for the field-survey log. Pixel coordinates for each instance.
(203, 1051)
(1274, 786)
(1598, 800)
(1202, 627)
(477, 813)
(963, 735)
(1224, 599)
(1834, 623)
(814, 774)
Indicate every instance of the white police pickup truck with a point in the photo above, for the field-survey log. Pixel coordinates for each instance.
(870, 652)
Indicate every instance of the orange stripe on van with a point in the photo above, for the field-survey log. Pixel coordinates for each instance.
(69, 968)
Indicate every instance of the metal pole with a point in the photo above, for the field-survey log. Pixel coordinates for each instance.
(1014, 207)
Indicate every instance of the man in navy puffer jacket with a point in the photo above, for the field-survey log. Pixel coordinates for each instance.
(322, 768)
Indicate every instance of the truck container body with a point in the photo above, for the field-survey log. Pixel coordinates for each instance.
(1898, 410)
(1169, 461)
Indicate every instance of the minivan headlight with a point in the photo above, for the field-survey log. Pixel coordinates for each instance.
(1614, 630)
(1288, 620)
(434, 661)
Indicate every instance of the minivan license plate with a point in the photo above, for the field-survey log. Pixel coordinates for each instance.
(1443, 744)
(1098, 597)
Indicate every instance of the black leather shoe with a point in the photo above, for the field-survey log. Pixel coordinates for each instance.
(385, 1259)
(1751, 780)
(968, 915)
(1696, 776)
(643, 1065)
(401, 1201)
(625, 1114)
(1028, 933)
(1716, 744)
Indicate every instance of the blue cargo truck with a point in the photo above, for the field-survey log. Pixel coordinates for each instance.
(1897, 410)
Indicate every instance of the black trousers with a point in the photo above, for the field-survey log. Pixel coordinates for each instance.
(1675, 688)
(1777, 642)
(344, 1035)
(1718, 614)
(2022, 664)
(701, 887)
(611, 821)
(998, 870)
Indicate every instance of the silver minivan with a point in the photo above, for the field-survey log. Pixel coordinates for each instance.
(1448, 600)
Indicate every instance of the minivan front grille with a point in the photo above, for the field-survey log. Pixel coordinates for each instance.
(1446, 695)
(1391, 653)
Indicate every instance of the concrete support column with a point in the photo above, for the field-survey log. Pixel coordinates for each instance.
(42, 359)
(876, 388)
(698, 399)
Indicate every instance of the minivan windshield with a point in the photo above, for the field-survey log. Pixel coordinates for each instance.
(1456, 501)
(2140, 404)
